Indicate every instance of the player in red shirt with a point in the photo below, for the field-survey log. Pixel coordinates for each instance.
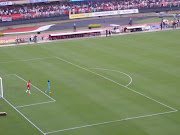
(28, 87)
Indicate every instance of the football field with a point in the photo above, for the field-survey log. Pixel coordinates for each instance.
(121, 85)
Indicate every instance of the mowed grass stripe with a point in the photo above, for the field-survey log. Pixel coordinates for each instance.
(88, 98)
(143, 56)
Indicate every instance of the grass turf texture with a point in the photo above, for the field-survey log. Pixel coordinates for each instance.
(83, 98)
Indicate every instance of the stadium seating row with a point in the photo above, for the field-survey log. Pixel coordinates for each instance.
(28, 11)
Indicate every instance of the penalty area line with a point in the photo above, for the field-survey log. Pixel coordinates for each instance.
(35, 104)
(116, 83)
(97, 124)
(174, 110)
(53, 100)
(118, 72)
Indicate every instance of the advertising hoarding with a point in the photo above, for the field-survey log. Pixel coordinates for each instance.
(105, 13)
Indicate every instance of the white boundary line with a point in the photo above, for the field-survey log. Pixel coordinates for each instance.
(36, 88)
(174, 110)
(118, 72)
(53, 100)
(116, 83)
(24, 116)
(110, 122)
(35, 104)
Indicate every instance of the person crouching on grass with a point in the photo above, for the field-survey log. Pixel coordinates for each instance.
(48, 87)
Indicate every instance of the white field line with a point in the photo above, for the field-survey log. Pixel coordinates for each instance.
(152, 99)
(174, 110)
(110, 122)
(117, 83)
(24, 116)
(36, 88)
(26, 60)
(35, 104)
(118, 72)
(53, 100)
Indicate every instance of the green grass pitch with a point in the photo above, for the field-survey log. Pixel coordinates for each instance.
(121, 85)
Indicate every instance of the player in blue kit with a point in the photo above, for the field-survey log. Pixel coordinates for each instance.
(48, 87)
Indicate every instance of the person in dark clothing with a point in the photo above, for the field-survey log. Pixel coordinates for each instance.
(17, 40)
(35, 39)
(161, 25)
(109, 33)
(74, 27)
(130, 21)
(125, 29)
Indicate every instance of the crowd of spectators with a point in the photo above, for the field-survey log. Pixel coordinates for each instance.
(28, 11)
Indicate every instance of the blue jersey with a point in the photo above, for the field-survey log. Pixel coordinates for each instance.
(48, 87)
(48, 84)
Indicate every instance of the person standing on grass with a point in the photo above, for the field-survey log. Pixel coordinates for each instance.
(48, 87)
(28, 87)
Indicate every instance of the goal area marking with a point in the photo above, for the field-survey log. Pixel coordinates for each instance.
(53, 100)
(1, 88)
(96, 124)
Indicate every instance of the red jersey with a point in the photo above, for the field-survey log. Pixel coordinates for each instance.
(28, 85)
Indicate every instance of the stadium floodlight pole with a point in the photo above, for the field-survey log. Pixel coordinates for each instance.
(1, 88)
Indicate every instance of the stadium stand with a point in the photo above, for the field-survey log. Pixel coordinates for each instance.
(62, 8)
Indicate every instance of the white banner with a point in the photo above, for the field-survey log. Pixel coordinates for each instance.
(131, 11)
(6, 19)
(105, 13)
(5, 3)
(116, 12)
